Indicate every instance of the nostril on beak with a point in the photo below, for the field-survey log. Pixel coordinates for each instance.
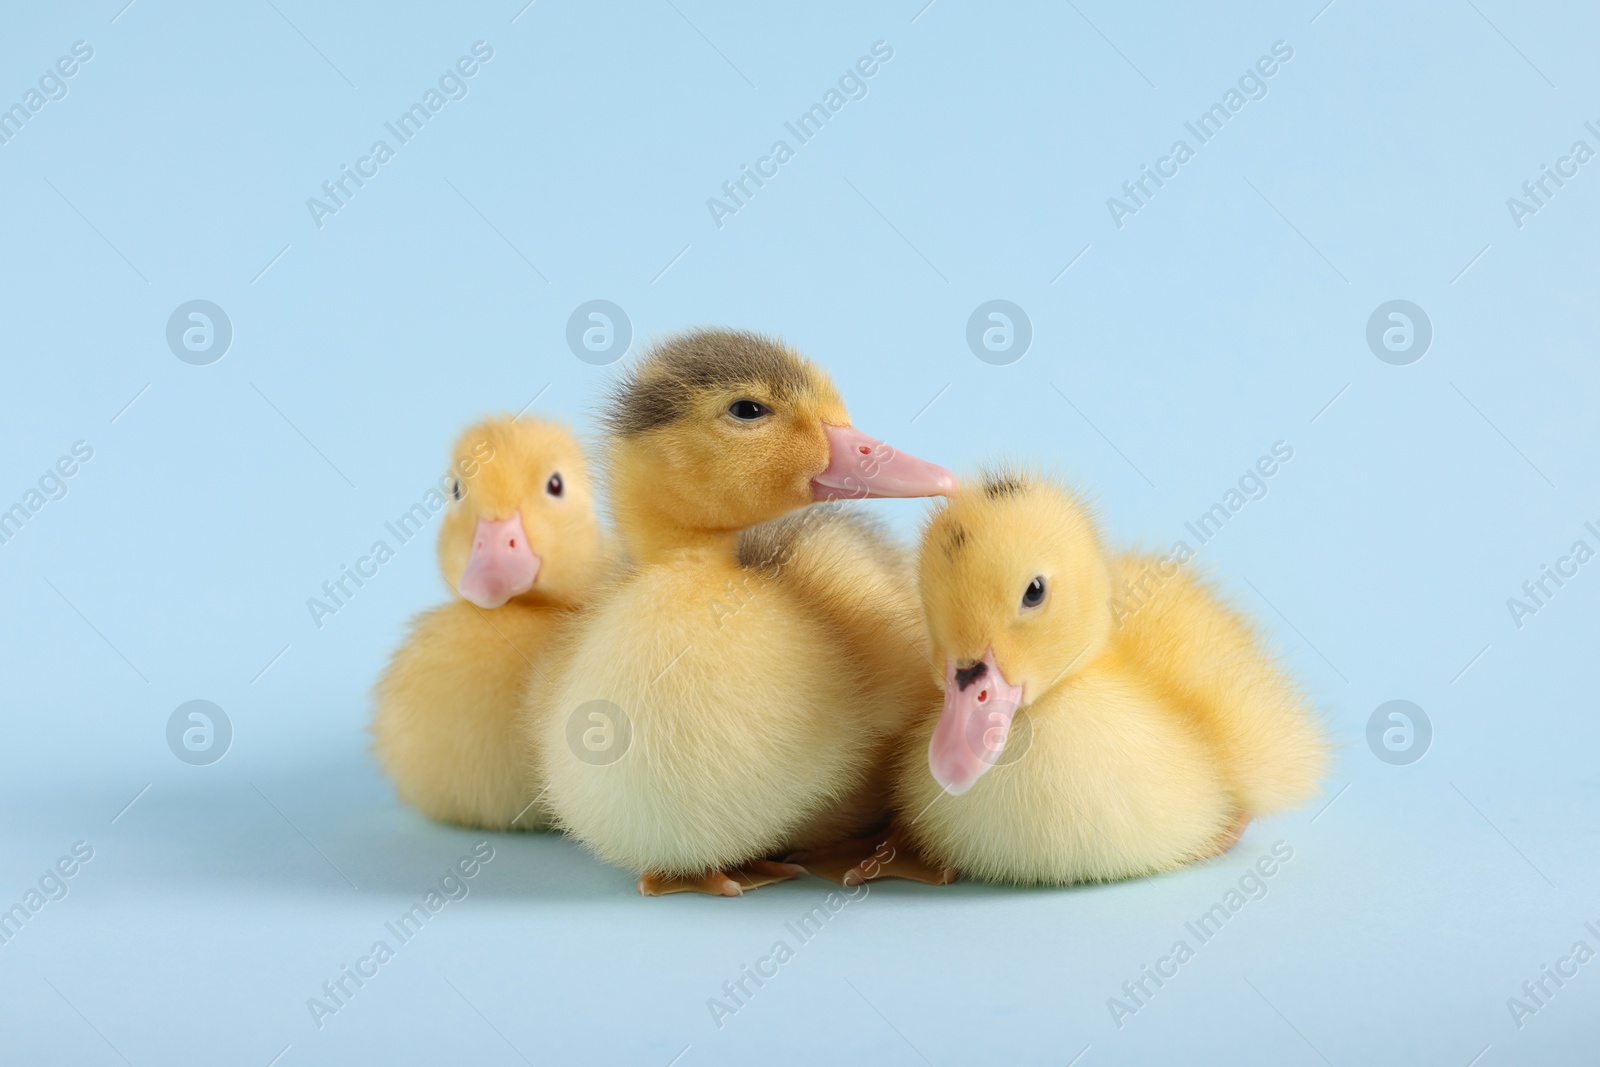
(983, 695)
(965, 676)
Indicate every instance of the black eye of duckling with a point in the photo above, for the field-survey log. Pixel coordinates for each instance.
(748, 410)
(1033, 596)
(554, 485)
(455, 488)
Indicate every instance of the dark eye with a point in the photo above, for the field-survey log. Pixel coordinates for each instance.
(554, 485)
(1033, 596)
(455, 488)
(748, 410)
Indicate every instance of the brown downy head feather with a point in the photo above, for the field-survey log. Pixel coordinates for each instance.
(683, 464)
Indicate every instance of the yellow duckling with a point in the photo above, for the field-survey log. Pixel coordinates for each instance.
(755, 680)
(844, 567)
(1082, 740)
(521, 545)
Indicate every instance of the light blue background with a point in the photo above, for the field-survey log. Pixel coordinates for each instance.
(1226, 315)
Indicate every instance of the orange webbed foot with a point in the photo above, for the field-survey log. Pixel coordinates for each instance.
(750, 875)
(850, 863)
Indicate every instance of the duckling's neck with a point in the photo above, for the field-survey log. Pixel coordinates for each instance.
(1093, 657)
(702, 546)
(654, 519)
(654, 539)
(543, 600)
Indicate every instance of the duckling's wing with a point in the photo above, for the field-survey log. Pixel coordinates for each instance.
(845, 566)
(825, 535)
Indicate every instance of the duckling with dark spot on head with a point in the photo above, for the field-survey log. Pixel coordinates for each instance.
(1156, 724)
(761, 677)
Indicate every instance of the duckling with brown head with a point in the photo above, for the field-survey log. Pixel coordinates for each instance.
(752, 719)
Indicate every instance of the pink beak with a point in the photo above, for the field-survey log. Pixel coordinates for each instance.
(979, 705)
(862, 467)
(502, 564)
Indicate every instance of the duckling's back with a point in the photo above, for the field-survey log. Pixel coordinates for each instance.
(1212, 664)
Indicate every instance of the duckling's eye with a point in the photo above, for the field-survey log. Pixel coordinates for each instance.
(554, 485)
(748, 410)
(1033, 596)
(455, 488)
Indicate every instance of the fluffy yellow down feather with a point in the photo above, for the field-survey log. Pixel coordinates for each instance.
(762, 676)
(445, 724)
(1147, 736)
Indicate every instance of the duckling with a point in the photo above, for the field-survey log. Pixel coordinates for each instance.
(522, 547)
(757, 677)
(846, 567)
(1082, 740)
